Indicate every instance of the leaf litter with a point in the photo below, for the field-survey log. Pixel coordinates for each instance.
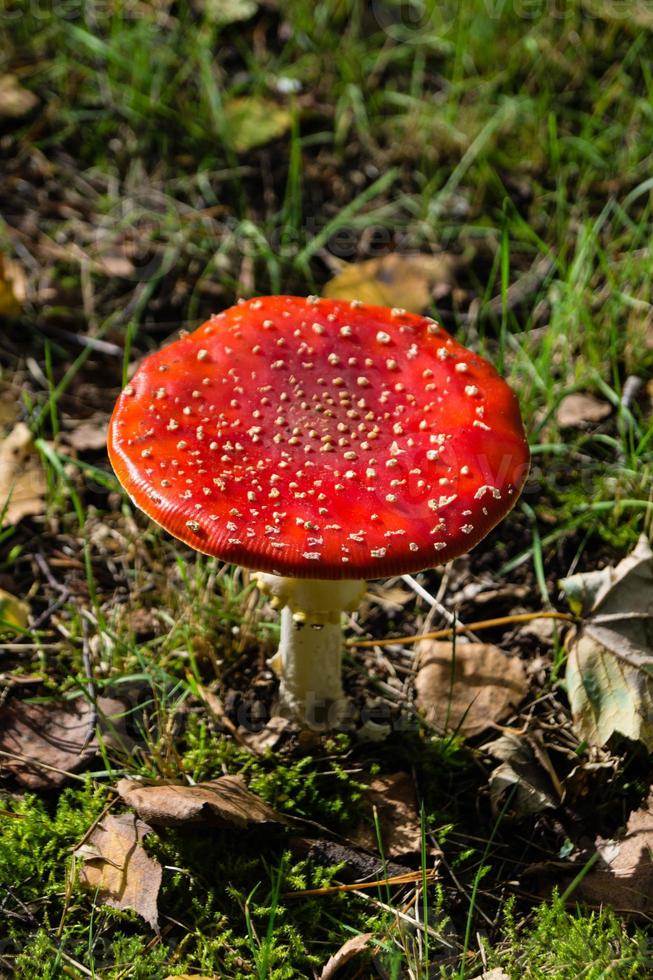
(23, 485)
(624, 877)
(610, 663)
(410, 282)
(467, 688)
(118, 869)
(222, 802)
(44, 743)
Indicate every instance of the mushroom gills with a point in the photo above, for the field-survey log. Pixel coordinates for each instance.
(309, 659)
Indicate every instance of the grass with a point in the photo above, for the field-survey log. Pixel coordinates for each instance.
(516, 140)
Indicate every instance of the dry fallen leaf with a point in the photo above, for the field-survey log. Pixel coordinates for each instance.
(610, 664)
(470, 692)
(347, 951)
(13, 612)
(13, 286)
(519, 781)
(394, 799)
(15, 101)
(406, 281)
(251, 121)
(53, 734)
(224, 802)
(86, 434)
(22, 481)
(579, 410)
(624, 878)
(118, 869)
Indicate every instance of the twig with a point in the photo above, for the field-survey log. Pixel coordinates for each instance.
(480, 625)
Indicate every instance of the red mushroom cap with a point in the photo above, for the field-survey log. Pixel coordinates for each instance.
(320, 439)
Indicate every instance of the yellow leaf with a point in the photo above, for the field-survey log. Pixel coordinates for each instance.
(12, 287)
(406, 281)
(13, 611)
(250, 121)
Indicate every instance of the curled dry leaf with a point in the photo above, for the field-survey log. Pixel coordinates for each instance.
(519, 781)
(395, 802)
(117, 868)
(406, 281)
(347, 951)
(223, 802)
(624, 877)
(54, 739)
(22, 481)
(470, 690)
(610, 664)
(579, 409)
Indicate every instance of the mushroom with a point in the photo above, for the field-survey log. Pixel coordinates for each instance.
(320, 443)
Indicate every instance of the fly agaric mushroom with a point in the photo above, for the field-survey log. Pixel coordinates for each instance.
(320, 443)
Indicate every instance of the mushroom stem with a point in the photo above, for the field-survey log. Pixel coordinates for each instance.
(309, 659)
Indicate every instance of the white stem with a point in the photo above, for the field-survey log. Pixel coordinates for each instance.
(309, 658)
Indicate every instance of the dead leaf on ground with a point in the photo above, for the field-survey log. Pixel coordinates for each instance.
(13, 286)
(610, 664)
(406, 281)
(22, 480)
(15, 101)
(86, 434)
(13, 612)
(347, 951)
(578, 410)
(251, 121)
(520, 781)
(395, 801)
(468, 692)
(53, 735)
(624, 878)
(118, 869)
(223, 802)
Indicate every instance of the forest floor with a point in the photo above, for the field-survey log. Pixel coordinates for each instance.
(159, 161)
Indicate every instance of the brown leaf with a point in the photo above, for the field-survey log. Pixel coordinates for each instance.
(406, 281)
(15, 101)
(521, 781)
(468, 692)
(397, 814)
(53, 735)
(624, 878)
(22, 481)
(347, 951)
(225, 802)
(13, 285)
(578, 410)
(119, 870)
(87, 434)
